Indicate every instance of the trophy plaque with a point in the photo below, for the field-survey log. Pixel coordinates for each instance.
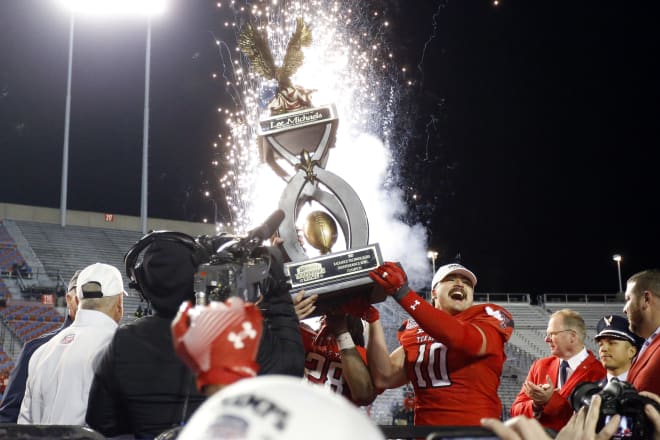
(302, 135)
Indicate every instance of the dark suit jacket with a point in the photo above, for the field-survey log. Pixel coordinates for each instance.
(13, 397)
(645, 371)
(558, 410)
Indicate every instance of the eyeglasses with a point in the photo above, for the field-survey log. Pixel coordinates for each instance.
(550, 335)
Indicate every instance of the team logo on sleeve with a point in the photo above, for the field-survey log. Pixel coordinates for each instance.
(410, 323)
(503, 318)
(237, 338)
(68, 338)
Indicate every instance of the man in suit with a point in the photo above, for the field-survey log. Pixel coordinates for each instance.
(617, 346)
(546, 391)
(13, 395)
(643, 310)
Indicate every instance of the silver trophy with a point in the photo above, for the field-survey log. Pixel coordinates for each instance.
(302, 135)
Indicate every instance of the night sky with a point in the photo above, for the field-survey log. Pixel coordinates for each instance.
(533, 131)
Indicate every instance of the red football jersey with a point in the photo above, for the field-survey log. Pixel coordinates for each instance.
(323, 362)
(453, 387)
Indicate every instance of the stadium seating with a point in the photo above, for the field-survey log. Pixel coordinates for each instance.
(28, 320)
(6, 362)
(4, 290)
(30, 311)
(62, 251)
(9, 254)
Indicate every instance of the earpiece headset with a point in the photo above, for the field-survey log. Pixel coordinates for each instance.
(135, 271)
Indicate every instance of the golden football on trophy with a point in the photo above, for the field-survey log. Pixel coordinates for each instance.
(320, 231)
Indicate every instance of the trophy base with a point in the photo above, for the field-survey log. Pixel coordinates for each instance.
(327, 301)
(338, 277)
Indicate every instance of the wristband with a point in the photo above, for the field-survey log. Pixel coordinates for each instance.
(401, 292)
(344, 341)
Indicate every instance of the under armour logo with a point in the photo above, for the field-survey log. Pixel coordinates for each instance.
(414, 305)
(608, 320)
(238, 338)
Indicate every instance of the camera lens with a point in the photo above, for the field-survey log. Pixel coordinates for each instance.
(582, 394)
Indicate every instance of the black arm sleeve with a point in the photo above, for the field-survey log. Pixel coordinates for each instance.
(104, 409)
(281, 349)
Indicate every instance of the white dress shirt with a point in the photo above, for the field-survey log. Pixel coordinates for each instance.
(573, 363)
(623, 377)
(60, 372)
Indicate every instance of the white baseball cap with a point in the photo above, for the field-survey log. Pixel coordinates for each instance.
(99, 280)
(278, 407)
(453, 268)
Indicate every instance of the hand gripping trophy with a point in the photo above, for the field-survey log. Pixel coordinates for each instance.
(299, 133)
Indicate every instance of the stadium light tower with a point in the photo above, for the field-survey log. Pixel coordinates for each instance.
(433, 255)
(207, 194)
(146, 8)
(617, 258)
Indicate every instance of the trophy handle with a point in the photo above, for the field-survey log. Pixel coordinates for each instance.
(341, 201)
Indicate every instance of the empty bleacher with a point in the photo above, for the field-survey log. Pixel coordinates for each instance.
(9, 254)
(6, 363)
(62, 251)
(4, 290)
(28, 320)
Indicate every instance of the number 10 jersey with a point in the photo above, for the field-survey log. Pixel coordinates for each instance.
(452, 386)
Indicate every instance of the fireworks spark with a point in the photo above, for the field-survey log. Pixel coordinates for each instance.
(348, 64)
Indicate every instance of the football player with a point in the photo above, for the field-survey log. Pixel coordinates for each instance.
(452, 351)
(335, 355)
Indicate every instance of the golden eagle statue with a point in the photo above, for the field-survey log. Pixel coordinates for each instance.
(254, 44)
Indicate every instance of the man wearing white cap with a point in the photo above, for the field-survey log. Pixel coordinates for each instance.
(452, 352)
(60, 372)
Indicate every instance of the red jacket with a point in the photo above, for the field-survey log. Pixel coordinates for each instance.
(645, 371)
(558, 410)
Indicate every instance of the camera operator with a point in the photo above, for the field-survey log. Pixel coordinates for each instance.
(141, 387)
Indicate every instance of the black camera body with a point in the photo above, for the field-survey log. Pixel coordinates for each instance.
(237, 266)
(621, 398)
(231, 271)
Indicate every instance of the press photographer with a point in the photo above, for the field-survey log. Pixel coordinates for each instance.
(141, 387)
(582, 424)
(617, 398)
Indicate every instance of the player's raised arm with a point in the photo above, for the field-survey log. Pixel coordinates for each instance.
(452, 294)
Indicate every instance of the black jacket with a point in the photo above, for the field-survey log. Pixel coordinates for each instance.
(281, 349)
(140, 385)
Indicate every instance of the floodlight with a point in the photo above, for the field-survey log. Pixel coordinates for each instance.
(116, 7)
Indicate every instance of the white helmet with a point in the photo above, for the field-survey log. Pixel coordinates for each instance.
(278, 407)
